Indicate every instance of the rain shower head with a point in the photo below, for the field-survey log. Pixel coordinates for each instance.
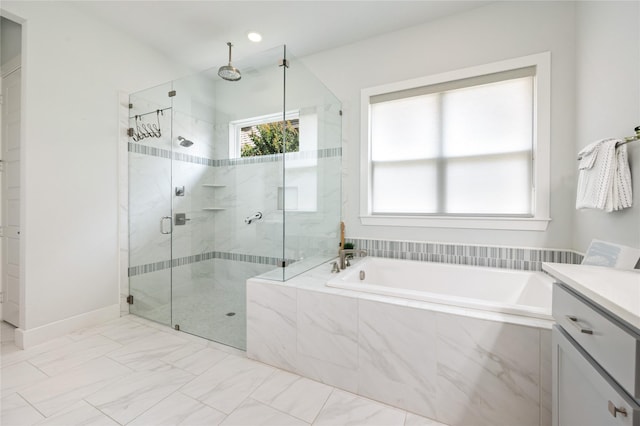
(184, 142)
(229, 72)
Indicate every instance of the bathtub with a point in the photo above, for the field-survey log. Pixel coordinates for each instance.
(522, 293)
(473, 348)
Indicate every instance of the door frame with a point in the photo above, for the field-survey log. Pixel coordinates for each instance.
(12, 66)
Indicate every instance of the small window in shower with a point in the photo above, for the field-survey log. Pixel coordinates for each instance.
(264, 135)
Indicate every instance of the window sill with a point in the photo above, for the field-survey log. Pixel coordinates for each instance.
(506, 223)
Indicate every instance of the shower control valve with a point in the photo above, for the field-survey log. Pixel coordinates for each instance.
(181, 219)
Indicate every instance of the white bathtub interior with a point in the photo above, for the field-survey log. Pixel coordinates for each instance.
(498, 290)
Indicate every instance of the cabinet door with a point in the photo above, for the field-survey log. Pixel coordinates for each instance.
(583, 393)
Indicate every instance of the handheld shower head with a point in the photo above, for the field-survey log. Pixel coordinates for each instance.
(229, 72)
(184, 142)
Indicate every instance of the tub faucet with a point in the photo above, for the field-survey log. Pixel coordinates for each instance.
(345, 252)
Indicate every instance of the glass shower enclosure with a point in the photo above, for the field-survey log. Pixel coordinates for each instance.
(229, 180)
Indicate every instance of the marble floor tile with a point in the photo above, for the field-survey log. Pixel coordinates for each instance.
(17, 376)
(345, 408)
(123, 330)
(229, 382)
(57, 393)
(135, 393)
(16, 411)
(416, 420)
(79, 414)
(56, 361)
(7, 351)
(12, 356)
(179, 409)
(292, 394)
(200, 361)
(144, 354)
(157, 376)
(254, 413)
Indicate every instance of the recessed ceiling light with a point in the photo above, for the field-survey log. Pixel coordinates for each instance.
(254, 36)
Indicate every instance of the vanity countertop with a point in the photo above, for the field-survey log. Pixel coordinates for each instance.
(617, 291)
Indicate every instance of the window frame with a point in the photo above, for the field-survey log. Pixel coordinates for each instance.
(540, 152)
(236, 126)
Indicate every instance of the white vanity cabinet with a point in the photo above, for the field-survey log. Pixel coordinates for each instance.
(596, 363)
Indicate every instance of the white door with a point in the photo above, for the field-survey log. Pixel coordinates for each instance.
(11, 197)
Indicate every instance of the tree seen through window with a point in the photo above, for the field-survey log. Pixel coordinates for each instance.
(267, 138)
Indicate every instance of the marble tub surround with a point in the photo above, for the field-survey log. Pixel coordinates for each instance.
(454, 365)
(157, 376)
(528, 259)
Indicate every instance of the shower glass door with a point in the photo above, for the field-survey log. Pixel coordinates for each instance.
(149, 166)
(215, 191)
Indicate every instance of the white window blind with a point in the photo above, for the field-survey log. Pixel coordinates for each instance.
(462, 147)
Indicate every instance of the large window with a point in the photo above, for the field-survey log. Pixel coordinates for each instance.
(460, 150)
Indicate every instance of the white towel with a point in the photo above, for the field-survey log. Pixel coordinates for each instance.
(604, 178)
(622, 190)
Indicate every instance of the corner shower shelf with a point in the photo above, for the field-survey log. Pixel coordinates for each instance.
(213, 209)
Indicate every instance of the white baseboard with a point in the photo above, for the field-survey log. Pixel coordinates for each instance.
(27, 338)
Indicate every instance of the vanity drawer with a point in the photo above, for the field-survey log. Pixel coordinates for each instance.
(583, 393)
(611, 346)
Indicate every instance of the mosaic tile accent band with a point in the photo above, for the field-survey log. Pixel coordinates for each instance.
(527, 259)
(186, 260)
(164, 153)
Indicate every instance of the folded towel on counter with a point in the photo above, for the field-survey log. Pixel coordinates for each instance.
(604, 253)
(604, 178)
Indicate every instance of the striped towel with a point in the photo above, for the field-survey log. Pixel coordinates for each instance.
(604, 177)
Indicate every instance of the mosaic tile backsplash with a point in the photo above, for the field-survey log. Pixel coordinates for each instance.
(527, 259)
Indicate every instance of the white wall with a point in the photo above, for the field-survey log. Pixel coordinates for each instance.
(73, 69)
(608, 105)
(498, 31)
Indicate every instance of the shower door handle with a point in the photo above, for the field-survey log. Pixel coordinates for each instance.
(163, 221)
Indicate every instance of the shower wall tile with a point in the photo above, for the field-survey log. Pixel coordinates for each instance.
(243, 186)
(149, 179)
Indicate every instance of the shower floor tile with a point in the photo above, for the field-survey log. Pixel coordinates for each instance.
(136, 372)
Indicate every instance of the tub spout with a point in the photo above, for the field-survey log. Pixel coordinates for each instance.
(345, 252)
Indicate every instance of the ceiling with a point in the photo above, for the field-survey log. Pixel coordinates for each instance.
(195, 32)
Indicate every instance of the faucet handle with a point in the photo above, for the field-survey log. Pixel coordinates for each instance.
(335, 268)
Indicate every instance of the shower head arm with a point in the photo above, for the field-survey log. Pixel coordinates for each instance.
(229, 44)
